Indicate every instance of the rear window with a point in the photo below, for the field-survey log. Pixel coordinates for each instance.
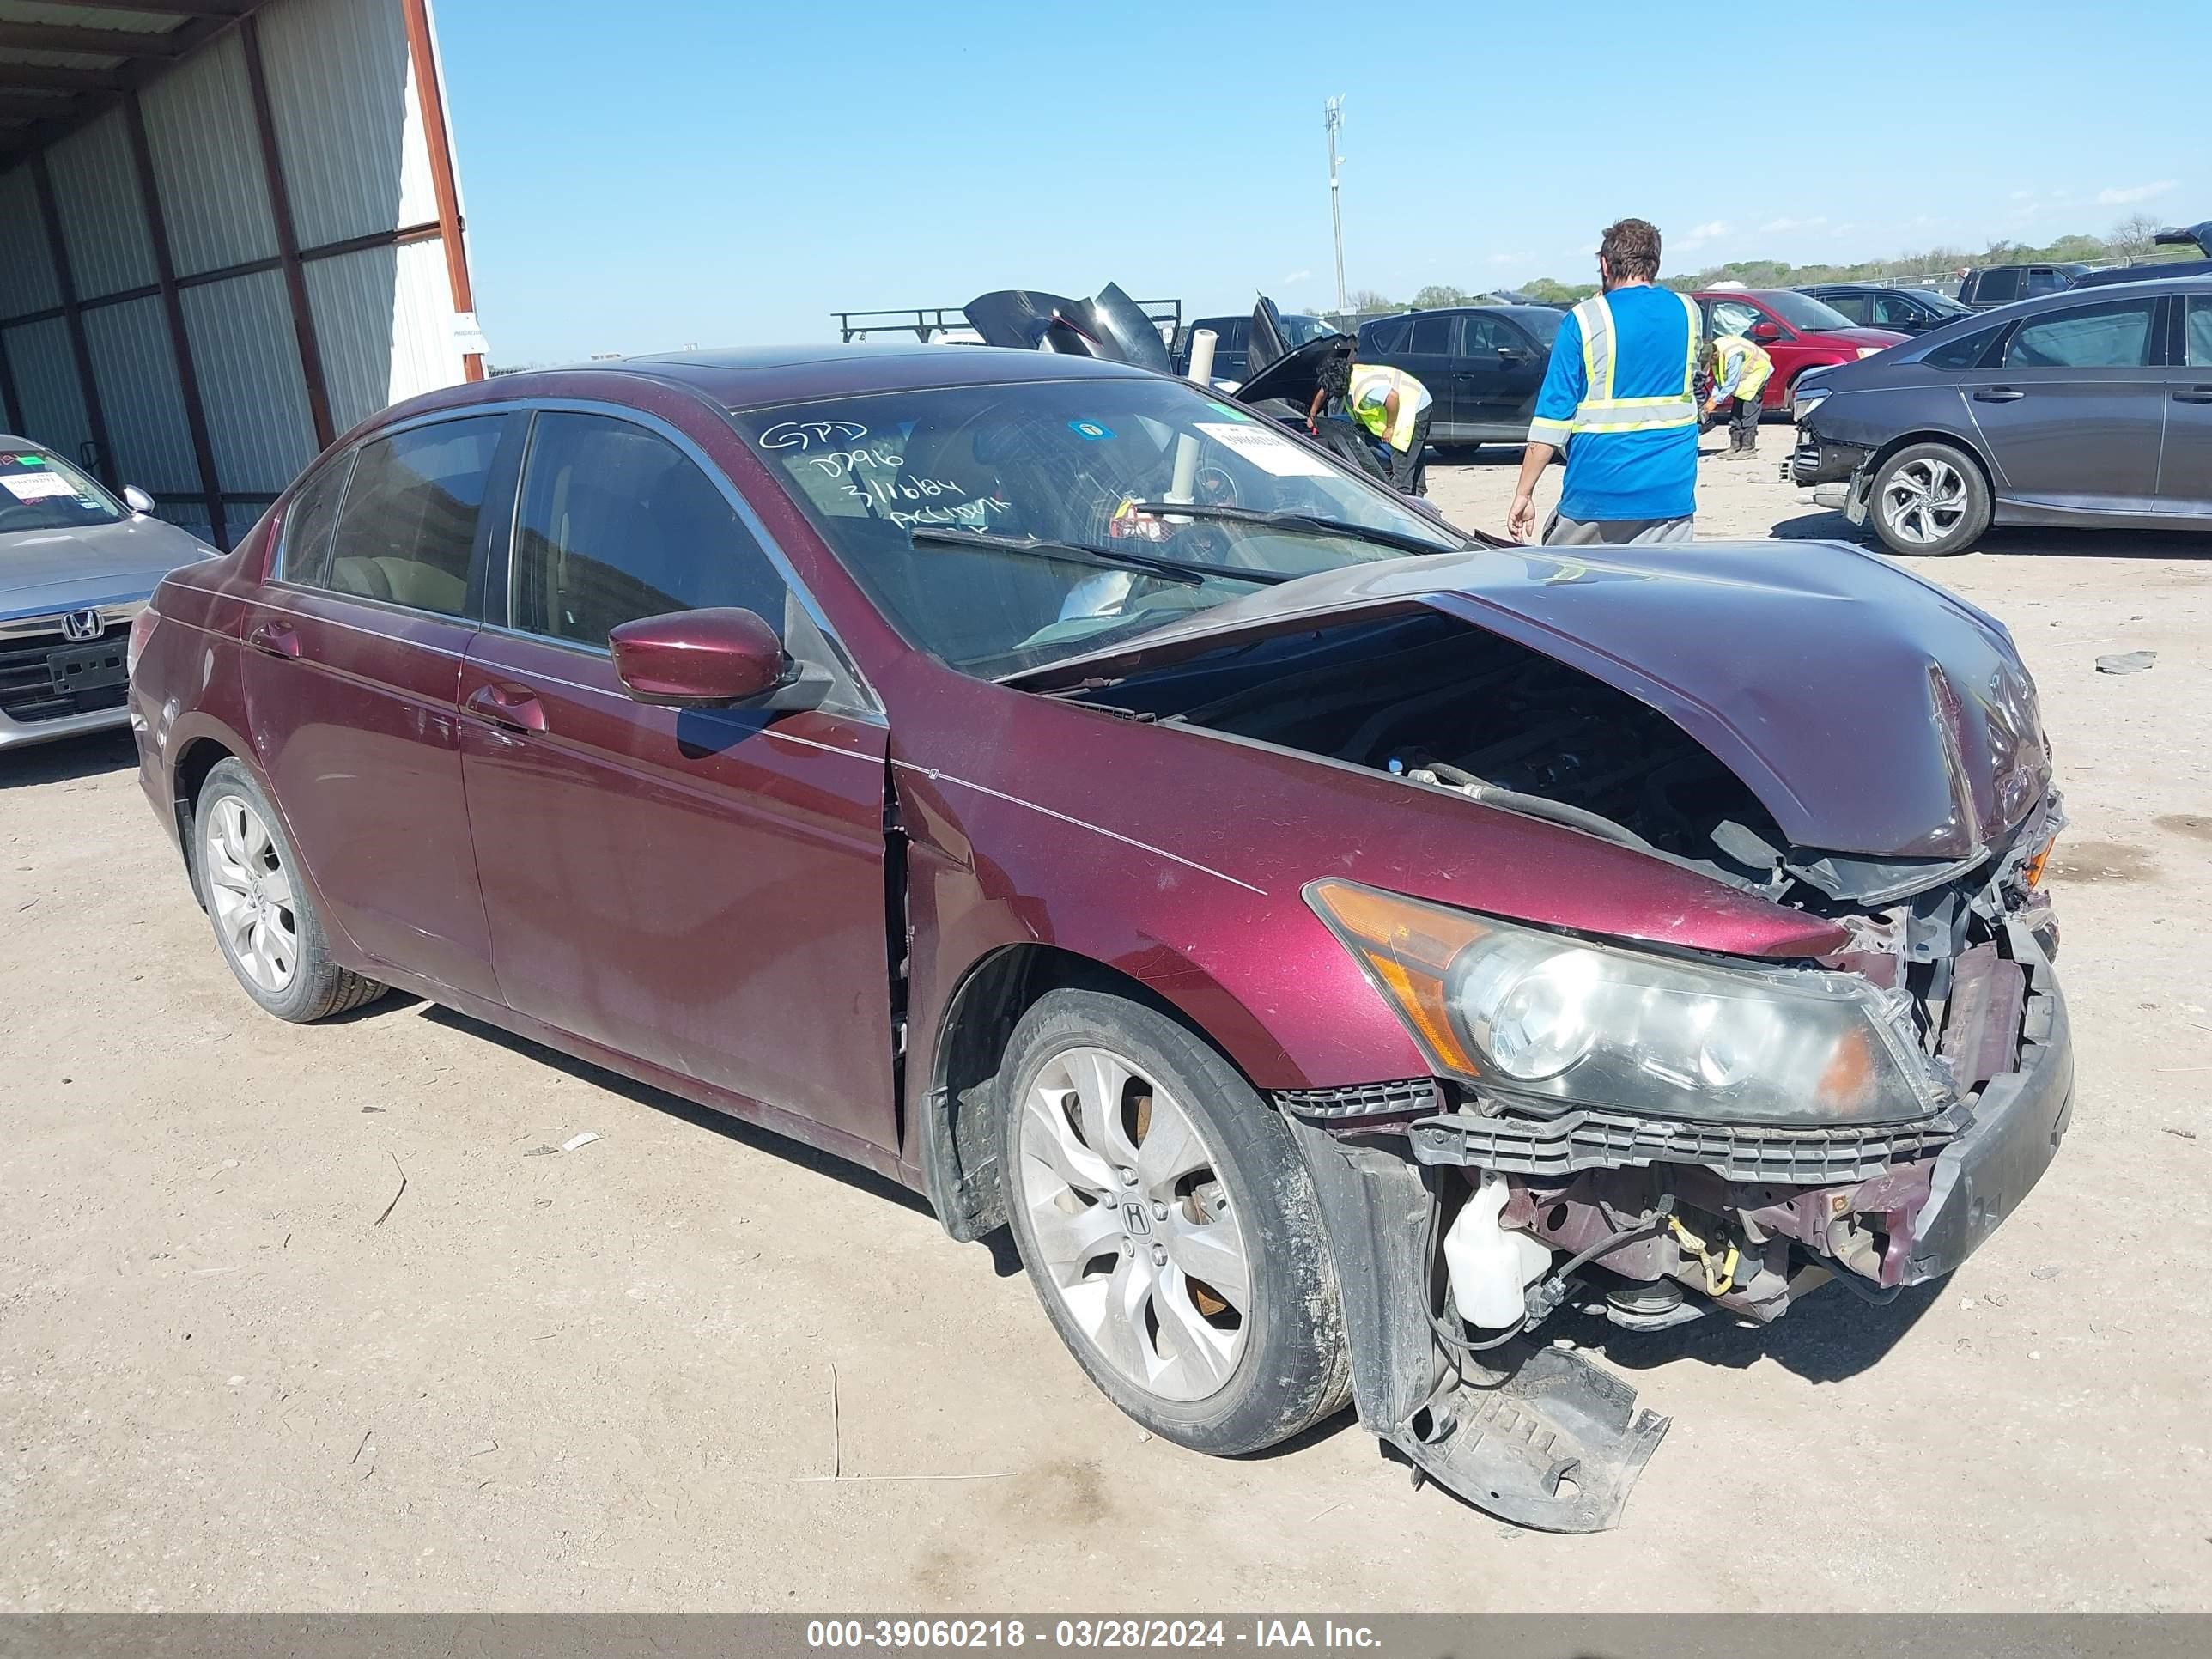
(41, 491)
(1432, 334)
(1997, 287)
(2200, 333)
(1965, 351)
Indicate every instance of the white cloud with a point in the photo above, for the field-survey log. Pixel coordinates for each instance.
(1294, 278)
(2125, 194)
(1698, 235)
(1813, 224)
(1509, 259)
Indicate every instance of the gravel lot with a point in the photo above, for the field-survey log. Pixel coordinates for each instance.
(601, 1380)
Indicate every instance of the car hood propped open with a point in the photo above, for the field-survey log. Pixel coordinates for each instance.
(1872, 713)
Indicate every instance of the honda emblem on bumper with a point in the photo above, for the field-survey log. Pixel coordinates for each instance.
(82, 625)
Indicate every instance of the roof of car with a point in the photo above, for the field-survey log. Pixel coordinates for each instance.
(1530, 312)
(1865, 288)
(748, 377)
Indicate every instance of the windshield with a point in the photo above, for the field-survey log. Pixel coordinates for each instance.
(1541, 320)
(1942, 302)
(1061, 461)
(38, 491)
(1804, 313)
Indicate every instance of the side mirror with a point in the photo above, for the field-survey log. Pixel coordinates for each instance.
(1766, 333)
(137, 500)
(714, 658)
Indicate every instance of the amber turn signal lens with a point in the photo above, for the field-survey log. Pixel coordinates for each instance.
(2032, 871)
(1405, 948)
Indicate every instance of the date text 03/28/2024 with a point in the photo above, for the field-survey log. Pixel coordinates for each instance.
(831, 1634)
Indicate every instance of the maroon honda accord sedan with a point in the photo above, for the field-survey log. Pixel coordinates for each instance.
(1335, 944)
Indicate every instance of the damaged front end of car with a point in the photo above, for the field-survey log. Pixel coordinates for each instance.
(1617, 1121)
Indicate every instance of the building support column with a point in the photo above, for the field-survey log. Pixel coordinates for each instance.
(287, 239)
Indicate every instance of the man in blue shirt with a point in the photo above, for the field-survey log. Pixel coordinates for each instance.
(1620, 397)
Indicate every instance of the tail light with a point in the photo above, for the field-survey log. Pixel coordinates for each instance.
(142, 630)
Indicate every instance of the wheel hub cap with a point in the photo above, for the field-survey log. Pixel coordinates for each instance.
(250, 893)
(1132, 1223)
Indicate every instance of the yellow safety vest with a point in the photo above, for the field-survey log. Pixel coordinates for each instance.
(1599, 410)
(1756, 365)
(1370, 388)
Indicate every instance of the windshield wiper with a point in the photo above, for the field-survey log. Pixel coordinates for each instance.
(1311, 523)
(1187, 573)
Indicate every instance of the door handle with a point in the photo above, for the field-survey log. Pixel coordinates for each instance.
(275, 639)
(515, 707)
(1998, 394)
(2196, 394)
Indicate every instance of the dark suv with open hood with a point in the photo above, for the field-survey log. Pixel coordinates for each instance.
(1332, 942)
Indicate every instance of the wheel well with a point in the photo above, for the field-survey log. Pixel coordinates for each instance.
(959, 1147)
(199, 758)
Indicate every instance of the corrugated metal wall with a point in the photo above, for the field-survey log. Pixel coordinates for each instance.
(374, 318)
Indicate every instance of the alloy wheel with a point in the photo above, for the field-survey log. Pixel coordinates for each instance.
(1133, 1223)
(1924, 501)
(251, 893)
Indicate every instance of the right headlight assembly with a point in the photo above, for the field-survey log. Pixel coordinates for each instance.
(1521, 1012)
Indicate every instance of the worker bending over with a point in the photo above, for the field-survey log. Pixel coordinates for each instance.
(1738, 370)
(1391, 404)
(1620, 397)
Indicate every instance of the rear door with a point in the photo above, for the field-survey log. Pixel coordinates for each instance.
(702, 889)
(2184, 474)
(1430, 355)
(2075, 411)
(354, 660)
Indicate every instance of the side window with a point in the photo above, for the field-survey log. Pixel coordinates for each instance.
(1389, 335)
(2044, 280)
(2199, 354)
(408, 526)
(1482, 336)
(616, 523)
(1964, 352)
(2109, 337)
(1432, 333)
(1893, 310)
(1995, 288)
(314, 513)
(1854, 305)
(1734, 316)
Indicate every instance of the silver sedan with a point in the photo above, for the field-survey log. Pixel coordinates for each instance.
(77, 565)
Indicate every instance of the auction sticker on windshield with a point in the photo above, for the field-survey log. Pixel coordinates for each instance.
(31, 486)
(1269, 451)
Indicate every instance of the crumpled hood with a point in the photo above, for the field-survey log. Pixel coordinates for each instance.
(48, 570)
(1871, 712)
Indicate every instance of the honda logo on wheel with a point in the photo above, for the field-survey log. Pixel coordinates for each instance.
(81, 625)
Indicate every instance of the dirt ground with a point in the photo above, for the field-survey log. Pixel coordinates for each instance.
(234, 1374)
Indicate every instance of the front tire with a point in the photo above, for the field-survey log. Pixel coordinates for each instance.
(1170, 1226)
(266, 923)
(1930, 500)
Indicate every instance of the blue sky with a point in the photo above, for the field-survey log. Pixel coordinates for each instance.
(666, 171)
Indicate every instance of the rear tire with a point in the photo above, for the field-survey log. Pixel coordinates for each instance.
(1929, 500)
(1136, 1161)
(266, 923)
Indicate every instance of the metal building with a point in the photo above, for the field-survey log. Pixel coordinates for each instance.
(229, 230)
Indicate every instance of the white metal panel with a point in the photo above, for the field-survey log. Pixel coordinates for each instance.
(121, 18)
(347, 125)
(136, 369)
(27, 282)
(207, 160)
(52, 409)
(103, 217)
(384, 318)
(248, 363)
